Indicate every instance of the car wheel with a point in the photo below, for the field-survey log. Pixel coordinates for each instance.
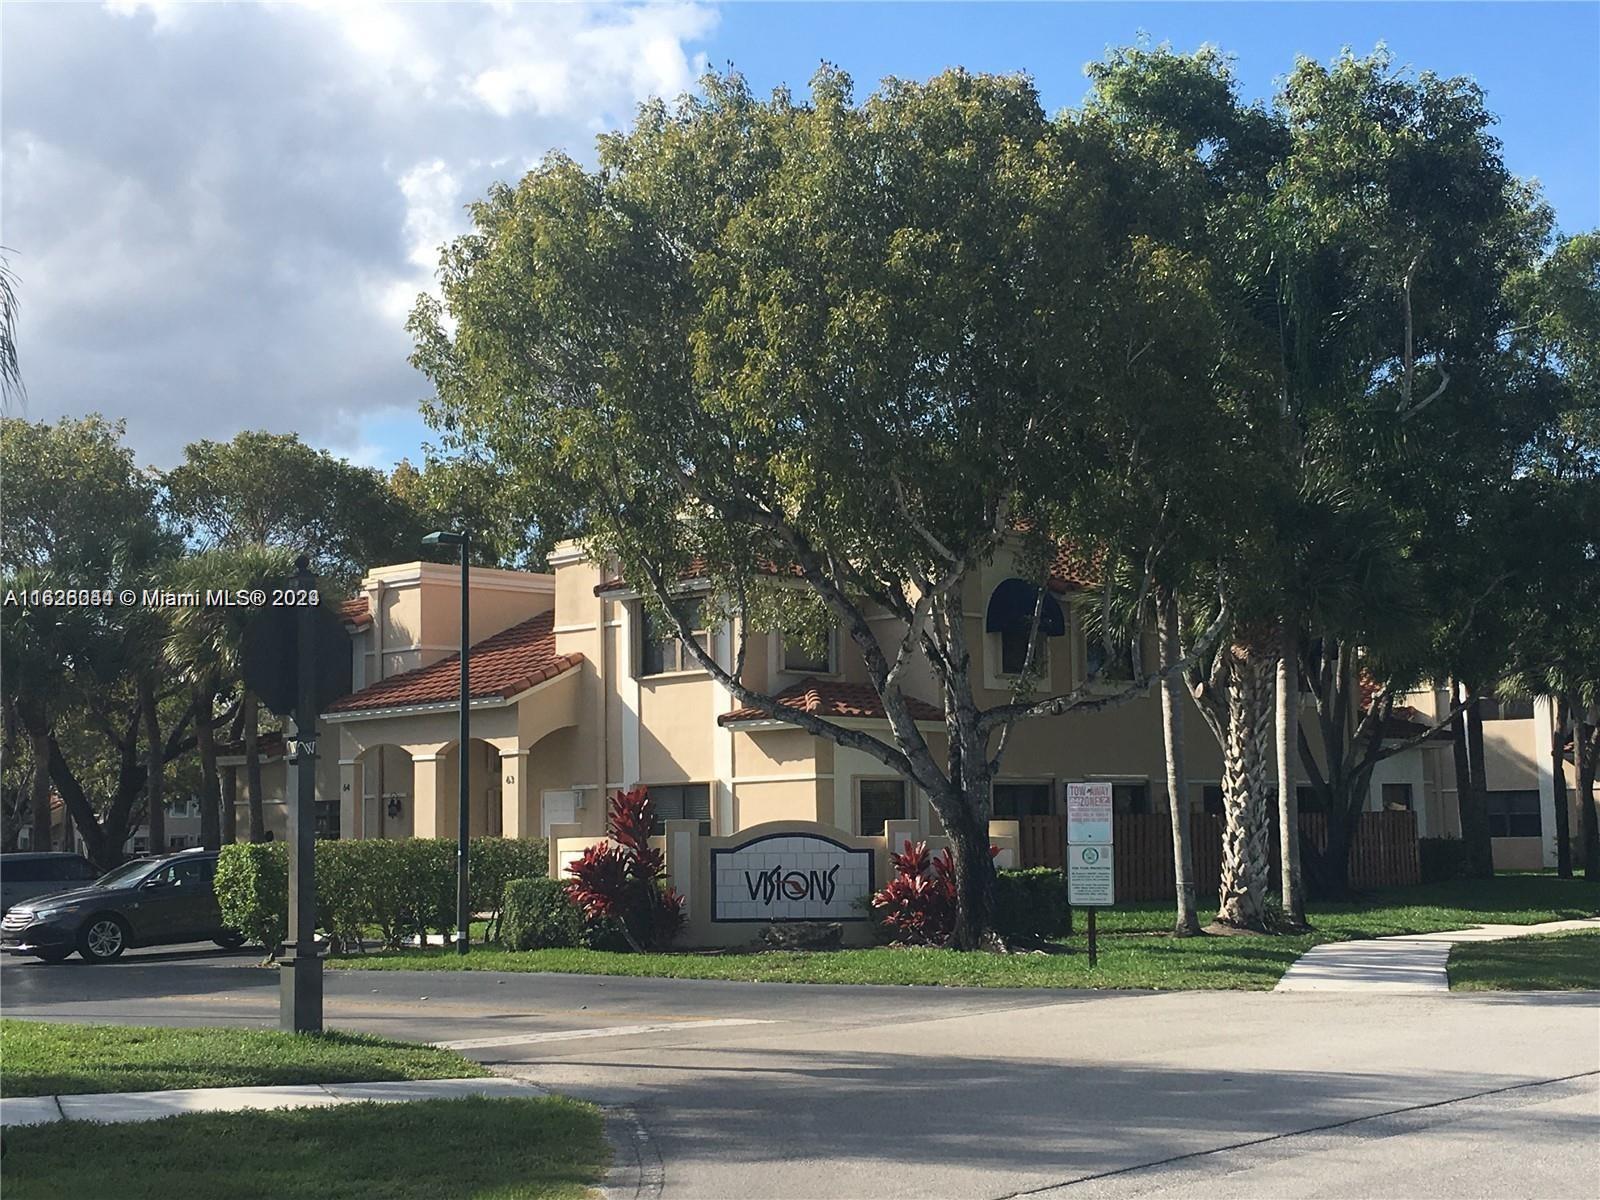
(103, 938)
(55, 954)
(229, 940)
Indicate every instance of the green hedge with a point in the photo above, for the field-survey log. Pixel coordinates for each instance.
(401, 887)
(1031, 903)
(540, 916)
(1439, 859)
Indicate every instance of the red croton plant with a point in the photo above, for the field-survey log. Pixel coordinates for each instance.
(623, 880)
(919, 903)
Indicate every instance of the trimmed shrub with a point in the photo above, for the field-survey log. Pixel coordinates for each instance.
(1439, 859)
(539, 915)
(252, 887)
(1031, 903)
(402, 887)
(496, 862)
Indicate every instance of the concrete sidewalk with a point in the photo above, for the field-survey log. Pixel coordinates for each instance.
(115, 1107)
(1412, 962)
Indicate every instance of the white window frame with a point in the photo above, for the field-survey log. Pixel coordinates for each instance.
(683, 662)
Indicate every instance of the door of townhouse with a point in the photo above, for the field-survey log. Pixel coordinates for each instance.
(559, 808)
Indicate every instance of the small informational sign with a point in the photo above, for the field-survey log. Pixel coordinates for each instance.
(1088, 813)
(1091, 878)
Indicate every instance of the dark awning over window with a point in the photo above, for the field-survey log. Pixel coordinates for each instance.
(1011, 607)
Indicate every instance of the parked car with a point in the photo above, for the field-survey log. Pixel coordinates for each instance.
(146, 902)
(30, 874)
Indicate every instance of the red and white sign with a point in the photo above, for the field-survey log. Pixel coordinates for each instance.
(1089, 813)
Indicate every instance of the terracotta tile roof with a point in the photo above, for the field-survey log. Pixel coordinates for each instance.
(511, 661)
(1076, 571)
(268, 745)
(1406, 722)
(1073, 571)
(827, 699)
(355, 612)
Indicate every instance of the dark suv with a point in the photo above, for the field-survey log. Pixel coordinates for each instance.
(146, 902)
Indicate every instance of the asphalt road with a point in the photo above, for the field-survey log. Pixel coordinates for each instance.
(773, 1090)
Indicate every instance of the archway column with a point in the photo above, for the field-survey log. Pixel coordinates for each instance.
(425, 805)
(516, 812)
(352, 809)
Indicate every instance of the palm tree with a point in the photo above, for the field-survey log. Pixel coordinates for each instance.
(206, 646)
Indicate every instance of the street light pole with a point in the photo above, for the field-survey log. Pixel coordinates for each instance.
(463, 812)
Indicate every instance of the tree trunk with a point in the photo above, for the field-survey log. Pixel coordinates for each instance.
(1246, 863)
(155, 770)
(975, 881)
(252, 768)
(230, 806)
(1471, 803)
(210, 794)
(1558, 753)
(1187, 922)
(39, 796)
(1287, 729)
(1584, 756)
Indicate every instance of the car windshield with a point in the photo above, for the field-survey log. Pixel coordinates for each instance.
(128, 873)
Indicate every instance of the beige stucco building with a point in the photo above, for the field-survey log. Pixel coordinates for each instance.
(575, 695)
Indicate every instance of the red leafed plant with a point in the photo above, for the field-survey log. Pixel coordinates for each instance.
(622, 880)
(919, 903)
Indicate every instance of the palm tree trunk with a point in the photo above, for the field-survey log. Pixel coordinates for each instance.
(1187, 922)
(1246, 863)
(39, 796)
(1472, 805)
(230, 806)
(154, 769)
(1584, 756)
(210, 793)
(1286, 729)
(252, 768)
(1558, 753)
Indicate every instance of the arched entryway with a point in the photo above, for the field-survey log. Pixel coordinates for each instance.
(387, 792)
(483, 788)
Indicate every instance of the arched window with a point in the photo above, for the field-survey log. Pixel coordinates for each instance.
(1010, 618)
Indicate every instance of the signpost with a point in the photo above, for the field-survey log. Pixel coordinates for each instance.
(287, 664)
(1091, 875)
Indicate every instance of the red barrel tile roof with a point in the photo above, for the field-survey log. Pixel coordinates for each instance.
(356, 612)
(511, 661)
(827, 699)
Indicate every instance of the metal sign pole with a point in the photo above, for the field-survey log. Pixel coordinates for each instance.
(1093, 954)
(299, 968)
(463, 805)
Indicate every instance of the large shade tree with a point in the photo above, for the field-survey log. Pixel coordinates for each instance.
(862, 341)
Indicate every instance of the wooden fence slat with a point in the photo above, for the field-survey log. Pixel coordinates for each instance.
(1383, 850)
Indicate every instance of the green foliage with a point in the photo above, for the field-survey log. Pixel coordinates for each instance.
(402, 887)
(1031, 903)
(496, 862)
(539, 915)
(45, 1058)
(252, 886)
(1443, 858)
(270, 489)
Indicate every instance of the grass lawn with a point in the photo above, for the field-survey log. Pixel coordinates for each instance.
(46, 1059)
(1544, 962)
(551, 1148)
(1134, 949)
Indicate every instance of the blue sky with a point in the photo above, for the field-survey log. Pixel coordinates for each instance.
(221, 214)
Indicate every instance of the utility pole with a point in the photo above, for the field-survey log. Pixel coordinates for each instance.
(463, 811)
(300, 967)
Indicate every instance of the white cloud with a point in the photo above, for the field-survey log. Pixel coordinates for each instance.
(223, 213)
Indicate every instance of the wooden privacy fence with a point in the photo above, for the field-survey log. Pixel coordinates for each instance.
(1383, 852)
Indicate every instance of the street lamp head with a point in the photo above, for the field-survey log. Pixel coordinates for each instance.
(441, 537)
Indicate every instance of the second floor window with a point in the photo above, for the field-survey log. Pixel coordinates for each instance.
(802, 659)
(660, 650)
